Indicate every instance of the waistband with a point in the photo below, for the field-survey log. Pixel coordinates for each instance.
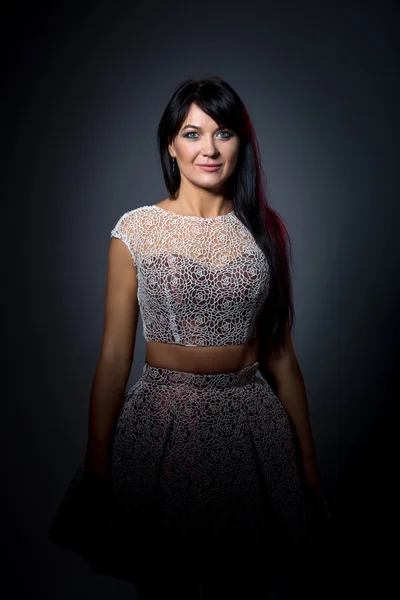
(160, 375)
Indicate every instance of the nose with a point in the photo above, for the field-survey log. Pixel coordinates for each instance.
(210, 150)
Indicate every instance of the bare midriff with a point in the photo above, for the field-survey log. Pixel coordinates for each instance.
(202, 359)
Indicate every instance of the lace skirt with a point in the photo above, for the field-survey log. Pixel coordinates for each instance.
(205, 475)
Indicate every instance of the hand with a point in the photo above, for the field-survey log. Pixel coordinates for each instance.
(315, 493)
(97, 501)
(97, 464)
(321, 524)
(317, 501)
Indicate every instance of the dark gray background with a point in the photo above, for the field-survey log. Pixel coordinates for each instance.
(85, 87)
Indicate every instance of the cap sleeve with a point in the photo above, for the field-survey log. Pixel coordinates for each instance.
(125, 230)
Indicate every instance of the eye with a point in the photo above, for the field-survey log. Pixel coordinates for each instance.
(228, 133)
(186, 135)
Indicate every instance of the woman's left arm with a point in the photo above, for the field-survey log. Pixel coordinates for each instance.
(286, 380)
(283, 373)
(290, 389)
(291, 392)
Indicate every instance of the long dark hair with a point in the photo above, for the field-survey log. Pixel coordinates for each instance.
(247, 188)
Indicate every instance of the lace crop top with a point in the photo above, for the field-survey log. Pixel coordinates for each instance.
(201, 282)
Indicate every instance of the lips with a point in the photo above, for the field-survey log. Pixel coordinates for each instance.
(209, 167)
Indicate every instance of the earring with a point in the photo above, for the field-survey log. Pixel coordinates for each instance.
(173, 165)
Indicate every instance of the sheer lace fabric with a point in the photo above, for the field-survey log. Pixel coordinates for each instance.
(201, 282)
(204, 467)
(204, 476)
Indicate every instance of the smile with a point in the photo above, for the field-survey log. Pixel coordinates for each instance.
(210, 168)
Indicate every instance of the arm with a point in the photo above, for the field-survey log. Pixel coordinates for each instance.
(284, 375)
(113, 368)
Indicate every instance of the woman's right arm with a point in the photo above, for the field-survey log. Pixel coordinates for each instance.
(115, 363)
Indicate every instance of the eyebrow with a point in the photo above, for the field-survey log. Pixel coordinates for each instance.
(196, 127)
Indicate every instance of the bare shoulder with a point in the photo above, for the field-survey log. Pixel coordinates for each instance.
(166, 203)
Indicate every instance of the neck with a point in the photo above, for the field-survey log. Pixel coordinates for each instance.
(203, 203)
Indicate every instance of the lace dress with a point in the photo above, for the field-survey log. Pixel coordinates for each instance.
(204, 466)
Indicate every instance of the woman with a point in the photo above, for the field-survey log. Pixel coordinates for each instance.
(202, 473)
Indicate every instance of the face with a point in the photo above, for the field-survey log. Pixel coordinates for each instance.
(200, 142)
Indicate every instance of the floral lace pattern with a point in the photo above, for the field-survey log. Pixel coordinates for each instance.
(201, 282)
(204, 468)
(204, 473)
